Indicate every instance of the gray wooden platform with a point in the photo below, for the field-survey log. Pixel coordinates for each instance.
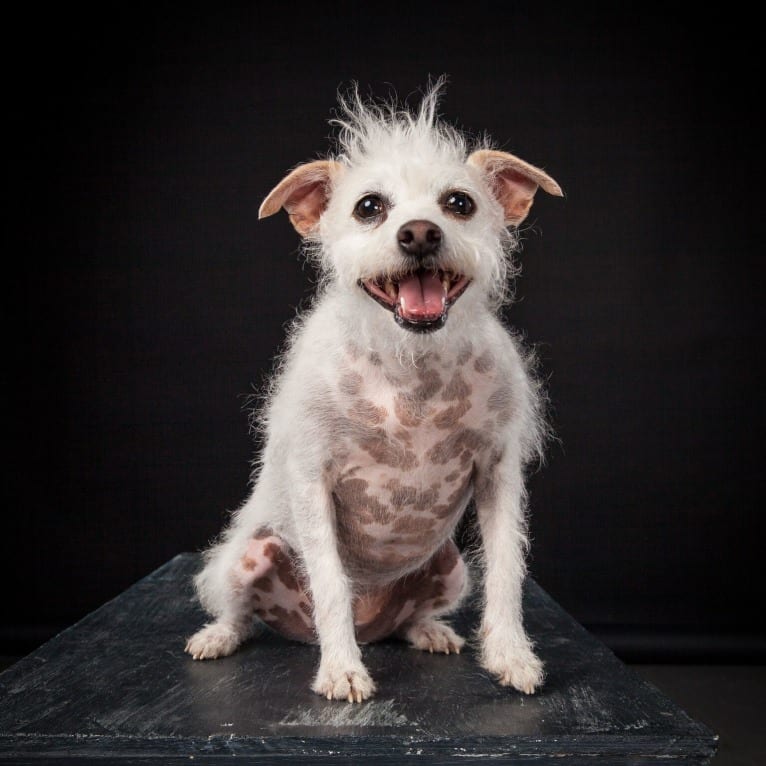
(117, 687)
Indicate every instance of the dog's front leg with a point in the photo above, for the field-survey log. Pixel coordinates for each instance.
(506, 650)
(341, 674)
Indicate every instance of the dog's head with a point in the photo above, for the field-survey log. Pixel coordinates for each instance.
(406, 216)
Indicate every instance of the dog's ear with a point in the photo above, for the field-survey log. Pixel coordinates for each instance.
(513, 181)
(303, 193)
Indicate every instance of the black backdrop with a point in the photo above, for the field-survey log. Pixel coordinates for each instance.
(144, 300)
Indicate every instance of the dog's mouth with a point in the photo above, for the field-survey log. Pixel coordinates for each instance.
(419, 300)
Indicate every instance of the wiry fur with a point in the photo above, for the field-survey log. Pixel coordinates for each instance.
(310, 441)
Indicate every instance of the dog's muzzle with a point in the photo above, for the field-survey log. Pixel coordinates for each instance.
(420, 295)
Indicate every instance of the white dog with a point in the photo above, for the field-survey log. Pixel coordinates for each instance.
(401, 397)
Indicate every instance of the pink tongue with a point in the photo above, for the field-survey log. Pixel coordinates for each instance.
(420, 296)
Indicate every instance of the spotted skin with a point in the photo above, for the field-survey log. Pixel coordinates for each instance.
(275, 586)
(402, 470)
(281, 597)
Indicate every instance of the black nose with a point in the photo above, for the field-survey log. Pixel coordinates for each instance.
(419, 238)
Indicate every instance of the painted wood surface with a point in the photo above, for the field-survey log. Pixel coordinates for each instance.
(117, 687)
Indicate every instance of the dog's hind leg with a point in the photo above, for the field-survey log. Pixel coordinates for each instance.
(223, 594)
(412, 607)
(263, 581)
(445, 585)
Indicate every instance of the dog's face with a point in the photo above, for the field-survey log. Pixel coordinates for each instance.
(413, 227)
(413, 235)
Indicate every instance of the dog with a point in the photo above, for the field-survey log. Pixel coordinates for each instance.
(401, 396)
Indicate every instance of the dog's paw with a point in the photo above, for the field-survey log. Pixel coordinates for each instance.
(514, 665)
(352, 683)
(434, 636)
(214, 640)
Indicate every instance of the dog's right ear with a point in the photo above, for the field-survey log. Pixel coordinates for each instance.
(303, 193)
(513, 181)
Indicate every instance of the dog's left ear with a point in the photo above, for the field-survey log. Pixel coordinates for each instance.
(513, 181)
(303, 193)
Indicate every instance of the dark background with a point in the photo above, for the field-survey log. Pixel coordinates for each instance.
(144, 300)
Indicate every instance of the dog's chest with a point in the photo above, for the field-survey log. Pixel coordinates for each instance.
(404, 458)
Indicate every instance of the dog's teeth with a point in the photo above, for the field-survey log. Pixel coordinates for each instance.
(390, 289)
(446, 282)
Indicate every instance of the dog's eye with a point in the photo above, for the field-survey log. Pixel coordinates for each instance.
(458, 203)
(369, 207)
